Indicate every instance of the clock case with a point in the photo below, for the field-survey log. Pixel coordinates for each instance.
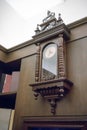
(52, 89)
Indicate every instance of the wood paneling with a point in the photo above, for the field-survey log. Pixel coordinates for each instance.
(75, 103)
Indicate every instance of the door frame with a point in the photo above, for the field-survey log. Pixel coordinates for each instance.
(61, 122)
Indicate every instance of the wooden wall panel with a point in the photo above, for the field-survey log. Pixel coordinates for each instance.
(77, 72)
(3, 56)
(78, 32)
(22, 52)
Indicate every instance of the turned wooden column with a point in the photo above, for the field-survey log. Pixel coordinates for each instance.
(37, 69)
(61, 57)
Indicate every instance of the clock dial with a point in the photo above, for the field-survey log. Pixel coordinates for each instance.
(50, 52)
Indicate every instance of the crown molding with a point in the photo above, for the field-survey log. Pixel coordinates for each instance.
(77, 23)
(3, 49)
(32, 41)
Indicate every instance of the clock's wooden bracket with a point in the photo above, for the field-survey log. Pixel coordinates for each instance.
(52, 90)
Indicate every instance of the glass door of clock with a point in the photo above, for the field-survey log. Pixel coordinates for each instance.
(49, 62)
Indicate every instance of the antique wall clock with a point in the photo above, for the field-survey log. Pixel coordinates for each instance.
(50, 74)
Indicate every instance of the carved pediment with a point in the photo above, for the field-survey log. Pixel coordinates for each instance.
(49, 22)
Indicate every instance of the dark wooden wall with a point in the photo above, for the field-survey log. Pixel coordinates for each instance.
(75, 103)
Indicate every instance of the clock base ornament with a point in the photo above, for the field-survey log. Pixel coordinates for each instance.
(53, 90)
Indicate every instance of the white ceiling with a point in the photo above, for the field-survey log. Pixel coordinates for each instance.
(19, 18)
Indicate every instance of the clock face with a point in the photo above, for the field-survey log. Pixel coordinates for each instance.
(49, 51)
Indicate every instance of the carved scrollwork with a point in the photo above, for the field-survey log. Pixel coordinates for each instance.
(50, 15)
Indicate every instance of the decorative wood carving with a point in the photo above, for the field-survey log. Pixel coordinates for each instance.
(37, 64)
(52, 90)
(61, 57)
(47, 84)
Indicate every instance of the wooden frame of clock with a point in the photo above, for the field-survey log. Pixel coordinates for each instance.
(50, 85)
